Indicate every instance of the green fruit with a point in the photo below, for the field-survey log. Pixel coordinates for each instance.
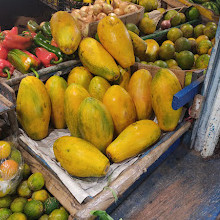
(18, 204)
(182, 44)
(170, 14)
(5, 213)
(166, 51)
(171, 63)
(192, 14)
(193, 46)
(5, 201)
(210, 23)
(210, 31)
(188, 78)
(23, 190)
(33, 209)
(16, 156)
(161, 63)
(149, 5)
(26, 171)
(185, 60)
(174, 17)
(143, 62)
(17, 216)
(51, 204)
(174, 33)
(97, 37)
(133, 28)
(198, 30)
(44, 217)
(187, 30)
(151, 63)
(183, 18)
(58, 214)
(204, 46)
(40, 195)
(211, 6)
(202, 61)
(146, 15)
(36, 181)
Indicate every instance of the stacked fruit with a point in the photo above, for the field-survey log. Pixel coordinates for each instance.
(10, 167)
(181, 50)
(31, 201)
(170, 19)
(106, 110)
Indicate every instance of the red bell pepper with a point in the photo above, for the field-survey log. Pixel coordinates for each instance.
(33, 56)
(14, 30)
(3, 52)
(53, 43)
(6, 69)
(46, 57)
(13, 41)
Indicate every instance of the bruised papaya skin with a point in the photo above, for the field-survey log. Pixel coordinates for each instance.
(133, 140)
(56, 87)
(95, 123)
(33, 107)
(98, 87)
(116, 40)
(139, 89)
(65, 32)
(121, 107)
(163, 87)
(124, 78)
(97, 60)
(73, 97)
(80, 158)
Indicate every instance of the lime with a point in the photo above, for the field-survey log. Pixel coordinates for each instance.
(201, 37)
(147, 25)
(58, 214)
(5, 213)
(185, 60)
(44, 217)
(204, 46)
(23, 190)
(187, 30)
(16, 156)
(133, 28)
(17, 216)
(171, 63)
(40, 195)
(166, 51)
(174, 17)
(5, 201)
(36, 181)
(210, 31)
(174, 33)
(210, 23)
(146, 15)
(198, 30)
(161, 63)
(182, 44)
(183, 18)
(188, 78)
(5, 150)
(192, 14)
(202, 61)
(18, 204)
(26, 171)
(33, 209)
(143, 62)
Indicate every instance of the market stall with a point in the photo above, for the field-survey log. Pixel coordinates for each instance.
(103, 93)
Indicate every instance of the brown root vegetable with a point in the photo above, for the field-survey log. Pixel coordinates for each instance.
(130, 9)
(118, 11)
(97, 8)
(107, 8)
(100, 16)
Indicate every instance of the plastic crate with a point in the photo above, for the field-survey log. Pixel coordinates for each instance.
(66, 5)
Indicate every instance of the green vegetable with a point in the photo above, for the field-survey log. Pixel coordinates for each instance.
(101, 214)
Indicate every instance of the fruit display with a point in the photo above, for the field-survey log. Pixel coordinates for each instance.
(11, 164)
(182, 48)
(31, 200)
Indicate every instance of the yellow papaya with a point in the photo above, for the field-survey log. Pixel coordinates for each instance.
(56, 87)
(73, 97)
(124, 78)
(97, 60)
(80, 75)
(152, 50)
(98, 87)
(139, 89)
(33, 107)
(115, 38)
(65, 32)
(95, 123)
(80, 158)
(133, 140)
(139, 45)
(163, 87)
(121, 107)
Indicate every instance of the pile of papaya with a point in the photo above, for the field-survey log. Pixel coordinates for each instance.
(107, 109)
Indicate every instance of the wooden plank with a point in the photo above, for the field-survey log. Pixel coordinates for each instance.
(104, 199)
(187, 94)
(53, 185)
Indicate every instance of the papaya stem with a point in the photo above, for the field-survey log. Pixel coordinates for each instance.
(8, 73)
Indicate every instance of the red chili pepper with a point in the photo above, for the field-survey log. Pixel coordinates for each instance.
(6, 69)
(33, 56)
(3, 52)
(53, 43)
(14, 30)
(12, 41)
(46, 57)
(28, 33)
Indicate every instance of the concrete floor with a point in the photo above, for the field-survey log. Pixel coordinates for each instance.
(185, 186)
